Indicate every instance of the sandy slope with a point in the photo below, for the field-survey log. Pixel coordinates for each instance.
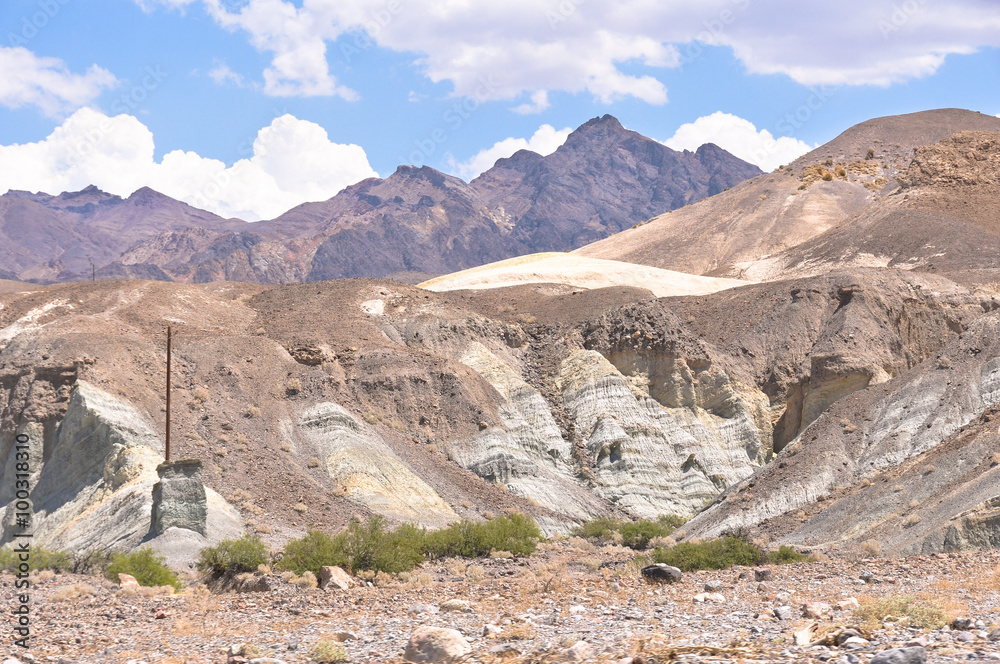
(572, 270)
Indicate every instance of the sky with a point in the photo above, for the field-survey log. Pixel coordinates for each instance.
(247, 108)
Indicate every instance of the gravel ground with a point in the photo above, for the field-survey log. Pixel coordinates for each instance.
(569, 591)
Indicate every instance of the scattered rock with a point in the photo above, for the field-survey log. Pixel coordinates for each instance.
(709, 597)
(490, 630)
(422, 608)
(994, 635)
(960, 624)
(580, 651)
(762, 574)
(332, 577)
(344, 637)
(816, 609)
(713, 585)
(912, 655)
(433, 645)
(848, 604)
(128, 582)
(965, 636)
(266, 660)
(461, 605)
(661, 573)
(784, 613)
(854, 642)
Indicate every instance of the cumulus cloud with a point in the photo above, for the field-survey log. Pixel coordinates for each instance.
(544, 141)
(539, 102)
(600, 47)
(740, 137)
(29, 80)
(222, 74)
(290, 161)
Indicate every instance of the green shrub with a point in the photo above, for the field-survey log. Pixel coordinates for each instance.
(786, 554)
(370, 546)
(148, 568)
(515, 533)
(713, 554)
(313, 551)
(234, 556)
(635, 534)
(38, 559)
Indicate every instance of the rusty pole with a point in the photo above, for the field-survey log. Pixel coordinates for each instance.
(168, 394)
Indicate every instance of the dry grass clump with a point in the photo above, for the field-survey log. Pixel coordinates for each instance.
(313, 462)
(871, 549)
(252, 412)
(64, 593)
(898, 488)
(307, 580)
(293, 386)
(518, 632)
(328, 651)
(301, 508)
(911, 520)
(475, 573)
(919, 612)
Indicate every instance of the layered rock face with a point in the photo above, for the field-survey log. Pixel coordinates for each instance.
(93, 482)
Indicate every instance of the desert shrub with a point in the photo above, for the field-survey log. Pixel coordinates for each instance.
(371, 546)
(841, 172)
(328, 652)
(38, 559)
(515, 533)
(923, 614)
(870, 154)
(786, 554)
(827, 176)
(713, 554)
(633, 534)
(148, 568)
(234, 556)
(311, 552)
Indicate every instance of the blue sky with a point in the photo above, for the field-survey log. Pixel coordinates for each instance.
(249, 107)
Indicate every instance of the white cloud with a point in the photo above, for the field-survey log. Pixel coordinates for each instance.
(292, 161)
(29, 80)
(527, 46)
(539, 102)
(222, 74)
(544, 141)
(741, 138)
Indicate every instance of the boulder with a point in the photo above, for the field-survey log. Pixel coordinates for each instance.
(913, 655)
(332, 577)
(434, 645)
(661, 573)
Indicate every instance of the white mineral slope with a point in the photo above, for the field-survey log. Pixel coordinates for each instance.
(357, 458)
(93, 488)
(581, 272)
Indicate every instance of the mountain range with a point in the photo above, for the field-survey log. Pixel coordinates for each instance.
(810, 357)
(414, 224)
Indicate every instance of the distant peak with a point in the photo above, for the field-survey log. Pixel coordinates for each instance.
(606, 122)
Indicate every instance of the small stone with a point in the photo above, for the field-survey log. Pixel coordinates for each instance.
(848, 604)
(266, 660)
(11, 660)
(919, 641)
(293, 644)
(713, 585)
(433, 645)
(994, 635)
(128, 582)
(504, 648)
(960, 624)
(912, 655)
(344, 637)
(661, 573)
(580, 651)
(461, 605)
(980, 624)
(577, 609)
(422, 608)
(816, 609)
(332, 577)
(784, 613)
(491, 630)
(965, 636)
(867, 577)
(854, 642)
(762, 574)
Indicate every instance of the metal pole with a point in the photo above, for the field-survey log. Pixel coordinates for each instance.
(168, 394)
